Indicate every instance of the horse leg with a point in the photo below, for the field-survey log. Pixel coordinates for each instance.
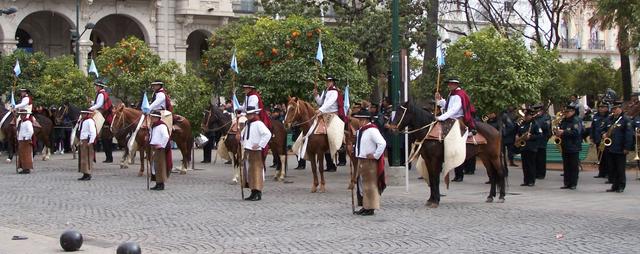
(501, 178)
(314, 168)
(321, 170)
(141, 172)
(492, 180)
(10, 148)
(46, 151)
(123, 161)
(283, 163)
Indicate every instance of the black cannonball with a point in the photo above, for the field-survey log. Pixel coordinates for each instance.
(71, 240)
(129, 248)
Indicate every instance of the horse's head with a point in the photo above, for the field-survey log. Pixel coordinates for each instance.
(292, 112)
(403, 116)
(118, 118)
(60, 113)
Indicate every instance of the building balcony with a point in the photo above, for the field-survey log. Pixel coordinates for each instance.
(245, 6)
(597, 44)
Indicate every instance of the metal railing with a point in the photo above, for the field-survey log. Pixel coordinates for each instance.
(596, 44)
(244, 6)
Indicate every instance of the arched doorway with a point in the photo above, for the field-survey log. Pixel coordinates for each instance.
(197, 45)
(45, 31)
(113, 28)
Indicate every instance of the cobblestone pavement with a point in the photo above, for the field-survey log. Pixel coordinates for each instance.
(202, 213)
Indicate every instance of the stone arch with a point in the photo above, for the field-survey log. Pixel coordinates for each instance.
(45, 31)
(114, 27)
(196, 45)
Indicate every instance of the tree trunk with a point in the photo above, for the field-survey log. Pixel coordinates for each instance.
(372, 74)
(431, 43)
(625, 68)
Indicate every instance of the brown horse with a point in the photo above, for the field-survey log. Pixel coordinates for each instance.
(432, 151)
(217, 121)
(42, 133)
(302, 114)
(124, 118)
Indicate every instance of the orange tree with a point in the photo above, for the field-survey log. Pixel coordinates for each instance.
(279, 57)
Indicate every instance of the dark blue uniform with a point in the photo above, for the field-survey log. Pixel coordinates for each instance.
(529, 150)
(509, 134)
(622, 140)
(544, 121)
(571, 147)
(599, 127)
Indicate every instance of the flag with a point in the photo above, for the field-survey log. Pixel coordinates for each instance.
(13, 101)
(145, 104)
(346, 99)
(440, 54)
(93, 69)
(16, 69)
(319, 54)
(236, 104)
(234, 62)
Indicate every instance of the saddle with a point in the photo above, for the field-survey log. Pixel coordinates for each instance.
(441, 129)
(321, 128)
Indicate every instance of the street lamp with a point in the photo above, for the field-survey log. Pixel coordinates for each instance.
(8, 11)
(76, 38)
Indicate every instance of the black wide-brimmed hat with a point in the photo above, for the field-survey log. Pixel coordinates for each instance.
(157, 82)
(362, 114)
(537, 106)
(252, 110)
(155, 113)
(99, 83)
(453, 80)
(24, 90)
(330, 78)
(248, 86)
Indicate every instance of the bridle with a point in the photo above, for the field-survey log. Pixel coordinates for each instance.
(296, 114)
(64, 112)
(404, 111)
(115, 116)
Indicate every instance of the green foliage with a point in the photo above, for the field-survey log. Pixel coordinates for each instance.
(496, 71)
(62, 81)
(52, 81)
(553, 73)
(589, 78)
(279, 57)
(128, 68)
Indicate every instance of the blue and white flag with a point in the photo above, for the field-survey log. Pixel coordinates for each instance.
(346, 99)
(236, 104)
(93, 69)
(440, 55)
(234, 62)
(319, 53)
(13, 101)
(16, 69)
(145, 104)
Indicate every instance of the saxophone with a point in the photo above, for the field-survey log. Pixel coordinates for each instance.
(521, 141)
(555, 125)
(607, 140)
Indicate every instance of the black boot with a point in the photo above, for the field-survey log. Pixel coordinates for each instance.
(359, 211)
(25, 171)
(153, 178)
(251, 197)
(367, 212)
(85, 177)
(159, 186)
(258, 196)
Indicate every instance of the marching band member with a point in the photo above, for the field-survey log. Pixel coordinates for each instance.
(530, 133)
(570, 133)
(621, 133)
(598, 128)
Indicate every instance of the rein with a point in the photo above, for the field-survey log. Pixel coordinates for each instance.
(404, 111)
(122, 123)
(296, 114)
(219, 128)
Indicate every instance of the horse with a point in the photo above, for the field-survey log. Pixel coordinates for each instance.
(432, 151)
(301, 113)
(126, 118)
(42, 133)
(66, 116)
(217, 121)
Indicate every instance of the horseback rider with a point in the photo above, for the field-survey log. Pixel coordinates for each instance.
(103, 104)
(160, 99)
(457, 106)
(253, 99)
(331, 104)
(26, 101)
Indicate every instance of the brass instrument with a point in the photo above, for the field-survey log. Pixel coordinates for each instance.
(607, 140)
(520, 119)
(521, 141)
(485, 118)
(555, 125)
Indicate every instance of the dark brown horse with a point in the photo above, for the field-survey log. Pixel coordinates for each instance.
(217, 121)
(42, 133)
(301, 113)
(432, 151)
(124, 118)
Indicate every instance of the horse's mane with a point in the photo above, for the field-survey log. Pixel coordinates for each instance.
(421, 116)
